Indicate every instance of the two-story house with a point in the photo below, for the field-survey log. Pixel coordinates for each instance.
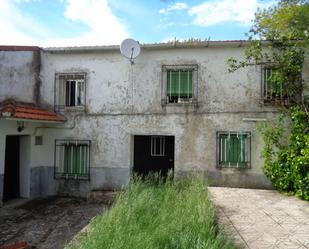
(76, 119)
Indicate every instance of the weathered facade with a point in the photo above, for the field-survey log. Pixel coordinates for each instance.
(109, 104)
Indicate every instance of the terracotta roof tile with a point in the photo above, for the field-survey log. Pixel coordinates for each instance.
(27, 111)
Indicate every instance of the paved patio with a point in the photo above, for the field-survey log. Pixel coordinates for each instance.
(262, 218)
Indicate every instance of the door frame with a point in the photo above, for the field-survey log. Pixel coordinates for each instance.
(24, 165)
(149, 134)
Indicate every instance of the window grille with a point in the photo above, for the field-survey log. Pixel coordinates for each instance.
(179, 84)
(274, 90)
(272, 85)
(233, 149)
(157, 146)
(72, 159)
(70, 91)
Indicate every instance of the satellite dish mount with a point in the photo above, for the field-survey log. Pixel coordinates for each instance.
(130, 49)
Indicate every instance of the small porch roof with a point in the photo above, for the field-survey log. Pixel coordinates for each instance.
(14, 110)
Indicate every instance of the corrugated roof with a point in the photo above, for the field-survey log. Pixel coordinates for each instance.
(11, 109)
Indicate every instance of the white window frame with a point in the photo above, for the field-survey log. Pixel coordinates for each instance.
(61, 101)
(184, 101)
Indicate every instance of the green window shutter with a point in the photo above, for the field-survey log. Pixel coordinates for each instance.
(232, 150)
(79, 160)
(75, 159)
(67, 159)
(179, 83)
(172, 80)
(81, 163)
(186, 84)
(72, 159)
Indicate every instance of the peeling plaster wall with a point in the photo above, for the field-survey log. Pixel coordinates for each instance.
(17, 79)
(124, 100)
(114, 86)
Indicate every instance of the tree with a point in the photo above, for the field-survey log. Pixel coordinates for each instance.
(279, 38)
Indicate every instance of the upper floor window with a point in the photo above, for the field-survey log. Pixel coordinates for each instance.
(272, 85)
(274, 91)
(179, 84)
(70, 91)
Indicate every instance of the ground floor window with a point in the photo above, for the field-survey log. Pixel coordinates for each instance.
(72, 159)
(233, 149)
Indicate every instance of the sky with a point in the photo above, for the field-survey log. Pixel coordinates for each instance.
(49, 23)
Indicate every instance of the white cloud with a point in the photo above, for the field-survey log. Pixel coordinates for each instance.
(105, 27)
(20, 29)
(211, 13)
(176, 6)
(15, 26)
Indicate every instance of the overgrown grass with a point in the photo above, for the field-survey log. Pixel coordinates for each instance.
(164, 215)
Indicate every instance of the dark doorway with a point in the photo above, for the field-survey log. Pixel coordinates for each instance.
(11, 170)
(153, 154)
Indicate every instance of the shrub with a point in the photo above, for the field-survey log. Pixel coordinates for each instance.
(286, 161)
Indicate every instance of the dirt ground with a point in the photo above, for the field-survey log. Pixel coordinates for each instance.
(46, 223)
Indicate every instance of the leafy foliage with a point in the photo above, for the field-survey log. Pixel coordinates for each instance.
(279, 38)
(286, 153)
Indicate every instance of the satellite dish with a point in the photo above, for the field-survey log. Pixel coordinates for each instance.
(130, 49)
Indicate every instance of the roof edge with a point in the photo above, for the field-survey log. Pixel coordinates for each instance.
(152, 46)
(19, 48)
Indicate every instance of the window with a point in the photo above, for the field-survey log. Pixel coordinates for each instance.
(72, 159)
(233, 149)
(179, 84)
(272, 86)
(275, 92)
(38, 140)
(157, 146)
(70, 91)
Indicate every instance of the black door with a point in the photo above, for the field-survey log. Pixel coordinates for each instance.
(11, 170)
(153, 154)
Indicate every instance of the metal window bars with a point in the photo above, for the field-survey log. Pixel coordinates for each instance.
(179, 85)
(70, 90)
(233, 149)
(157, 146)
(273, 91)
(72, 159)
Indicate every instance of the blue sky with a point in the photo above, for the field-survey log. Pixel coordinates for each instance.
(102, 22)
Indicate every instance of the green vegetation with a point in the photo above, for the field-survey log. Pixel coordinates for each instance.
(279, 39)
(286, 156)
(164, 214)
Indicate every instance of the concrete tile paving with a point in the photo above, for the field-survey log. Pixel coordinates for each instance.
(255, 218)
